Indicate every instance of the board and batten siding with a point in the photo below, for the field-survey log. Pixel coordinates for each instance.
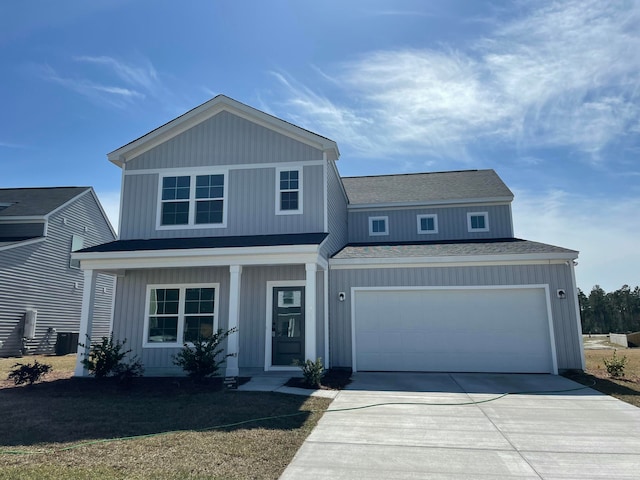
(452, 224)
(336, 213)
(130, 310)
(557, 276)
(224, 139)
(38, 276)
(251, 206)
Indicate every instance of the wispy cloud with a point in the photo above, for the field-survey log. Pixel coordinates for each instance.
(143, 75)
(562, 74)
(11, 145)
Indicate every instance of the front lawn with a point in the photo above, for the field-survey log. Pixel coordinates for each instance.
(84, 415)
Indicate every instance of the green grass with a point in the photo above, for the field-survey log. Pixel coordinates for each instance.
(46, 418)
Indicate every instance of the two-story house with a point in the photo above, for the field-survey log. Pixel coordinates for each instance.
(42, 286)
(231, 217)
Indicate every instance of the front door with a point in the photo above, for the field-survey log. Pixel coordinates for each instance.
(287, 325)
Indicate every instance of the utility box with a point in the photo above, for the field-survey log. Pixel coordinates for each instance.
(30, 319)
(66, 342)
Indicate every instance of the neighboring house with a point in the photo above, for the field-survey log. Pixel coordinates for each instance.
(231, 217)
(42, 286)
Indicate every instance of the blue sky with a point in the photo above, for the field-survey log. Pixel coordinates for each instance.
(545, 93)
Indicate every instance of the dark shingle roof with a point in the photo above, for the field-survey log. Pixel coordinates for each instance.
(28, 202)
(500, 246)
(425, 187)
(208, 242)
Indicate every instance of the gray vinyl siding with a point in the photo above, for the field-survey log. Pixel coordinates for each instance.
(38, 276)
(452, 224)
(129, 314)
(337, 214)
(251, 206)
(224, 139)
(567, 336)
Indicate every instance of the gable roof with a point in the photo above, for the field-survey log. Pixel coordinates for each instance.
(35, 202)
(420, 188)
(207, 110)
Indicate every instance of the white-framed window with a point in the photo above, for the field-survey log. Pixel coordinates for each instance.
(428, 223)
(179, 314)
(378, 226)
(77, 243)
(288, 191)
(478, 221)
(192, 200)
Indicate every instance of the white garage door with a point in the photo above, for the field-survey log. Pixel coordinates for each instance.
(453, 330)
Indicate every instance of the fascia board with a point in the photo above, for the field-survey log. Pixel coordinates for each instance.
(23, 219)
(208, 110)
(403, 262)
(433, 203)
(22, 243)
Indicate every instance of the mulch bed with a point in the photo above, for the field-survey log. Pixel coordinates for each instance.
(334, 379)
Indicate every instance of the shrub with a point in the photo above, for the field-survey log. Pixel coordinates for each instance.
(28, 373)
(312, 372)
(615, 365)
(201, 359)
(106, 359)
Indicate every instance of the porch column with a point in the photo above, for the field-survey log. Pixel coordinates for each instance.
(310, 313)
(233, 341)
(86, 321)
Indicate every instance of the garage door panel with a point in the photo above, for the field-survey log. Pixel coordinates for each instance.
(492, 330)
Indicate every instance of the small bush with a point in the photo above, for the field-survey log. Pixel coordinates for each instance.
(106, 359)
(312, 372)
(201, 360)
(615, 365)
(28, 373)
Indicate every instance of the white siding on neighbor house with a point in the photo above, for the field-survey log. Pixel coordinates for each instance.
(224, 139)
(251, 206)
(452, 224)
(38, 276)
(557, 276)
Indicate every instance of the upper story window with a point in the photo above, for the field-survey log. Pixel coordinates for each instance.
(427, 223)
(288, 191)
(192, 200)
(478, 222)
(378, 225)
(77, 243)
(180, 313)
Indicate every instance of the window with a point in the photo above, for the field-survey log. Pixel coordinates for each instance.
(427, 223)
(77, 243)
(478, 221)
(192, 200)
(288, 191)
(378, 225)
(180, 314)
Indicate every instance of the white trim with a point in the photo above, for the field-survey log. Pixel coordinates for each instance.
(577, 313)
(434, 216)
(240, 166)
(470, 229)
(22, 243)
(463, 202)
(192, 200)
(113, 301)
(449, 261)
(311, 308)
(325, 279)
(376, 219)
(181, 313)
(291, 168)
(233, 342)
(325, 192)
(544, 286)
(268, 342)
(86, 321)
(209, 109)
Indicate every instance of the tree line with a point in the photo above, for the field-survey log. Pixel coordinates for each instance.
(613, 312)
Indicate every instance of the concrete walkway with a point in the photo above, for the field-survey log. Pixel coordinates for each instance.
(433, 430)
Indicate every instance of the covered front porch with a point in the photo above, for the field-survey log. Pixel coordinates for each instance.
(250, 287)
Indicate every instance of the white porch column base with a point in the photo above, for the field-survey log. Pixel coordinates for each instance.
(233, 341)
(310, 312)
(86, 321)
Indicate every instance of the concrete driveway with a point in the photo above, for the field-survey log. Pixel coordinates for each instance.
(433, 429)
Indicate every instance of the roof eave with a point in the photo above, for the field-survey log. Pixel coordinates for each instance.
(502, 199)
